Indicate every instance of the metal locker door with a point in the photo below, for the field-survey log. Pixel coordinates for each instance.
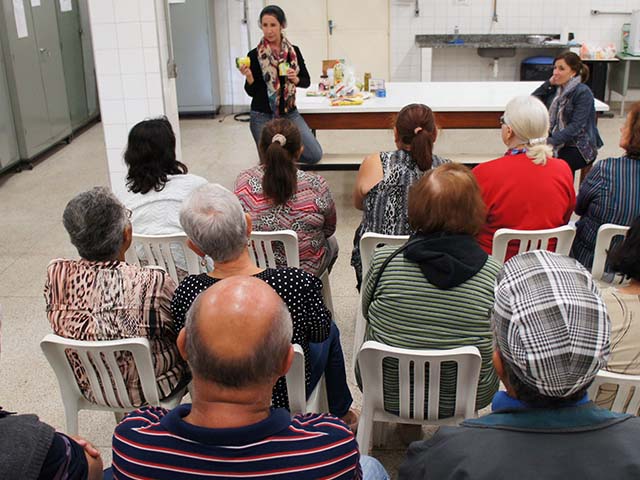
(52, 70)
(8, 145)
(25, 83)
(72, 59)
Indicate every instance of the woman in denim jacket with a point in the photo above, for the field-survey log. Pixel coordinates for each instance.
(573, 133)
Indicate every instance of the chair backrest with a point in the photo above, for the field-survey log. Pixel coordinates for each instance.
(627, 399)
(533, 240)
(98, 359)
(261, 245)
(370, 240)
(160, 250)
(468, 359)
(606, 233)
(296, 385)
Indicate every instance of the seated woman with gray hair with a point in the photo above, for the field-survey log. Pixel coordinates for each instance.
(526, 189)
(100, 297)
(216, 225)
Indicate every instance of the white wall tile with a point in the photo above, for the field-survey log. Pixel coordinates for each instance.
(126, 11)
(134, 86)
(147, 11)
(154, 85)
(115, 136)
(151, 60)
(110, 87)
(107, 62)
(149, 34)
(156, 107)
(137, 110)
(101, 11)
(104, 36)
(129, 35)
(132, 60)
(112, 112)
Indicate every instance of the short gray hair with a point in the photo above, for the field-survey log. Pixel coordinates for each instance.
(259, 365)
(95, 221)
(213, 219)
(529, 119)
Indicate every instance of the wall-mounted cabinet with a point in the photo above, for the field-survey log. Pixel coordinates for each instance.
(8, 145)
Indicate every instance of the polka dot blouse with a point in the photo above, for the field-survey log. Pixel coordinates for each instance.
(300, 291)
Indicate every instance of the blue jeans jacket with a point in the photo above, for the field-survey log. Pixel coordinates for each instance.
(579, 117)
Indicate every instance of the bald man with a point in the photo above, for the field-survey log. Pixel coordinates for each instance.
(237, 341)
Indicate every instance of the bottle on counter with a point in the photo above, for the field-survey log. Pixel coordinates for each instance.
(367, 77)
(338, 73)
(330, 77)
(323, 86)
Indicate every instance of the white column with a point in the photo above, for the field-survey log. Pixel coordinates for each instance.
(131, 47)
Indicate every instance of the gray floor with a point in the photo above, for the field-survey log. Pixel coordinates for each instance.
(31, 233)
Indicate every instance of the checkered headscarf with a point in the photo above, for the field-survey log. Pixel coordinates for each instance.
(550, 323)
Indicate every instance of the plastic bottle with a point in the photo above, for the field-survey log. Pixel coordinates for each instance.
(338, 73)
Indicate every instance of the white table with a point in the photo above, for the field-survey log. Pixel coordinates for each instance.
(456, 105)
(465, 105)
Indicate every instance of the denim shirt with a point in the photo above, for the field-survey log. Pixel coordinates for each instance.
(579, 118)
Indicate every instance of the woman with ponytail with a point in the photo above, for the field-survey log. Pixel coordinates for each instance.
(526, 189)
(278, 196)
(382, 185)
(573, 133)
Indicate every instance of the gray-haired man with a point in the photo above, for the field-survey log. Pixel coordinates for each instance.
(551, 333)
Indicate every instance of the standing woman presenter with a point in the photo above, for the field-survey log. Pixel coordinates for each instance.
(276, 69)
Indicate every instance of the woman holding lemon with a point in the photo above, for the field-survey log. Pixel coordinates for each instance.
(275, 69)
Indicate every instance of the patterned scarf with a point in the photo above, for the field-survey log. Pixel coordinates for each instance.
(269, 62)
(556, 110)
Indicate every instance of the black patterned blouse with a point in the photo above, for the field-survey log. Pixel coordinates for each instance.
(300, 291)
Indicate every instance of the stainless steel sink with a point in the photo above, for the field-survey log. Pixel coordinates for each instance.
(496, 52)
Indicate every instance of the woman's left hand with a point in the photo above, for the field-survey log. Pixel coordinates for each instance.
(293, 76)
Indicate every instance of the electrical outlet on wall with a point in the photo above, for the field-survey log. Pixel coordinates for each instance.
(462, 3)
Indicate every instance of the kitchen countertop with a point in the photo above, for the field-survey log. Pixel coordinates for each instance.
(488, 41)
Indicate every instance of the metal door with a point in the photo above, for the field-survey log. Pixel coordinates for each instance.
(51, 68)
(91, 86)
(8, 145)
(25, 82)
(193, 49)
(72, 59)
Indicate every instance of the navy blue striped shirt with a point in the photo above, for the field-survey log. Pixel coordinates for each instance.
(155, 443)
(609, 194)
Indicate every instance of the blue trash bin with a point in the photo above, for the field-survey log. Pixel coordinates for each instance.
(536, 68)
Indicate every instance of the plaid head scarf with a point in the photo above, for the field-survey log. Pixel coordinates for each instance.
(550, 323)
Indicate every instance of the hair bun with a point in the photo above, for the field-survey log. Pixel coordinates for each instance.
(281, 139)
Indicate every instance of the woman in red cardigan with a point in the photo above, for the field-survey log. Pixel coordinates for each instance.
(526, 189)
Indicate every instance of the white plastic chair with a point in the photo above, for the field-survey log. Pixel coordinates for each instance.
(296, 387)
(626, 400)
(160, 250)
(261, 252)
(98, 360)
(606, 233)
(370, 362)
(533, 240)
(368, 243)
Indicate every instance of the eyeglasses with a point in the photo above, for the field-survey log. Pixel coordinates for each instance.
(503, 121)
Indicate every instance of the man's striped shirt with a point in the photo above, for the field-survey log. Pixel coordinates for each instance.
(155, 443)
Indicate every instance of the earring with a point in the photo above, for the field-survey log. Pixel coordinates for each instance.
(203, 262)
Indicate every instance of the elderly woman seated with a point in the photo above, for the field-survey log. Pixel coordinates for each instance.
(100, 297)
(436, 291)
(216, 226)
(623, 305)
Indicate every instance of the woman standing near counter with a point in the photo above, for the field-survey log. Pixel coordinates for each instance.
(276, 69)
(573, 133)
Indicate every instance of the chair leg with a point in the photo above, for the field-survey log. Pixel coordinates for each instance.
(380, 433)
(326, 292)
(365, 428)
(71, 416)
(119, 416)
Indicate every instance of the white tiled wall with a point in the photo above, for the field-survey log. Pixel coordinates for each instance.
(514, 16)
(130, 44)
(439, 16)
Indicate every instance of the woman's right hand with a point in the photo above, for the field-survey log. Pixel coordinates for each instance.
(246, 71)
